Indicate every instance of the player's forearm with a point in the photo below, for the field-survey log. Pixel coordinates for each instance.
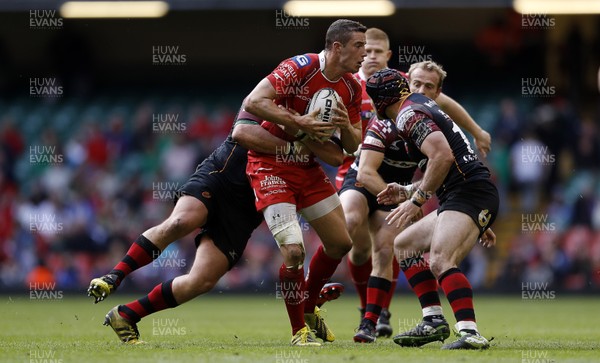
(254, 137)
(371, 180)
(351, 138)
(328, 151)
(267, 110)
(437, 169)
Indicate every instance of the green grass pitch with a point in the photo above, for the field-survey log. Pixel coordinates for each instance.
(255, 328)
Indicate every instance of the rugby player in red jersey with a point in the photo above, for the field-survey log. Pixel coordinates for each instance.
(467, 197)
(284, 188)
(218, 199)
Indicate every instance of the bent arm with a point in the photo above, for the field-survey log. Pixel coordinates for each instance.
(369, 163)
(253, 137)
(438, 151)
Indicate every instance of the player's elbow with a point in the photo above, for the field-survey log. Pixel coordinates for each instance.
(251, 103)
(336, 159)
(240, 134)
(363, 176)
(444, 159)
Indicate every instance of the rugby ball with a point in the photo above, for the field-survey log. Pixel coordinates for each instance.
(325, 99)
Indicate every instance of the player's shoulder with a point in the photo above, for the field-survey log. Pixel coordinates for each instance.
(302, 61)
(382, 127)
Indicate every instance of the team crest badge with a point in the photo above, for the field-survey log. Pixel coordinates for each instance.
(484, 218)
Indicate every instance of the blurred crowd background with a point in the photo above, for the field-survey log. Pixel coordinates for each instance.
(84, 171)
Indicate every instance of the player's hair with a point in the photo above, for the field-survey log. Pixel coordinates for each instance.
(429, 66)
(341, 30)
(378, 34)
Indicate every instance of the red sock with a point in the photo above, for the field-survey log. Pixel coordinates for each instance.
(459, 293)
(160, 298)
(395, 271)
(377, 292)
(294, 294)
(422, 281)
(141, 253)
(319, 273)
(360, 276)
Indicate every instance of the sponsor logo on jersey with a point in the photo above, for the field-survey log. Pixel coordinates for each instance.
(206, 194)
(406, 115)
(400, 164)
(370, 140)
(394, 146)
(301, 60)
(430, 103)
(420, 132)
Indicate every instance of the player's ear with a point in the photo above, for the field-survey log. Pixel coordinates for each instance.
(336, 46)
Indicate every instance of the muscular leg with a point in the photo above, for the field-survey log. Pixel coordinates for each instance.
(356, 212)
(188, 214)
(447, 251)
(283, 224)
(331, 228)
(209, 266)
(380, 281)
(410, 245)
(383, 246)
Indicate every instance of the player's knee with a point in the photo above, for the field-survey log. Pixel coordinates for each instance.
(340, 248)
(438, 264)
(359, 254)
(353, 222)
(178, 225)
(293, 254)
(382, 250)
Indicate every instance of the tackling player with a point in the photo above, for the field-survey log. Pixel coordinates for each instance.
(467, 197)
(284, 188)
(427, 78)
(215, 198)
